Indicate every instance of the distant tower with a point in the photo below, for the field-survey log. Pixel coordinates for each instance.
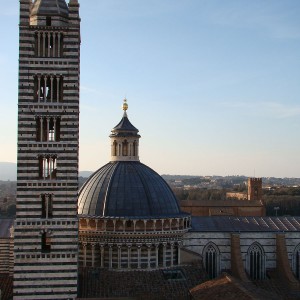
(255, 189)
(46, 226)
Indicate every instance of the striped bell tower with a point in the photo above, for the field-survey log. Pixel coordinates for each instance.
(46, 226)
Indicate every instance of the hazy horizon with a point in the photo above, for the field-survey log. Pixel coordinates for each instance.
(212, 86)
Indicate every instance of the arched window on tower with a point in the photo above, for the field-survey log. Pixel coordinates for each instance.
(134, 148)
(46, 242)
(47, 207)
(47, 129)
(48, 88)
(48, 44)
(211, 257)
(125, 148)
(47, 167)
(115, 148)
(256, 262)
(296, 262)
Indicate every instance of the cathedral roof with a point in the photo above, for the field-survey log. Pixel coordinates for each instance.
(245, 224)
(127, 189)
(50, 7)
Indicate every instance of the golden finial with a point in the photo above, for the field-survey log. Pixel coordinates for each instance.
(125, 105)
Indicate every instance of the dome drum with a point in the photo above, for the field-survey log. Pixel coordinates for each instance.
(176, 225)
(131, 244)
(130, 255)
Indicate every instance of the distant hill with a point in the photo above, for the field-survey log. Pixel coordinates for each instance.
(8, 171)
(85, 173)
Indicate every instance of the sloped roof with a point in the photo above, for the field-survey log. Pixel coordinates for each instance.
(227, 288)
(50, 7)
(244, 224)
(124, 128)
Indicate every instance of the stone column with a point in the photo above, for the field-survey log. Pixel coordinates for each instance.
(102, 256)
(59, 45)
(44, 167)
(54, 129)
(39, 88)
(41, 128)
(39, 44)
(44, 44)
(46, 205)
(149, 255)
(54, 44)
(119, 256)
(49, 41)
(45, 88)
(129, 257)
(164, 254)
(139, 256)
(84, 254)
(110, 256)
(156, 255)
(178, 251)
(58, 89)
(51, 88)
(48, 129)
(51, 164)
(93, 255)
(172, 254)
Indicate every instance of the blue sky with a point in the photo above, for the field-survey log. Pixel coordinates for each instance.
(213, 86)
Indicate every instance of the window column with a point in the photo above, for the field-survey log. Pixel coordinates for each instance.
(156, 255)
(93, 255)
(41, 128)
(44, 44)
(39, 88)
(102, 255)
(149, 255)
(172, 254)
(139, 256)
(58, 89)
(129, 256)
(164, 254)
(110, 256)
(84, 254)
(119, 256)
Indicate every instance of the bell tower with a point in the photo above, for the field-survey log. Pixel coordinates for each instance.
(255, 189)
(46, 226)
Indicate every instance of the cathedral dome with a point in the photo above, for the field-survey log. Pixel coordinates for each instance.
(127, 189)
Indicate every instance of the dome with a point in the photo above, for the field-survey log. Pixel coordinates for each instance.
(127, 189)
(50, 7)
